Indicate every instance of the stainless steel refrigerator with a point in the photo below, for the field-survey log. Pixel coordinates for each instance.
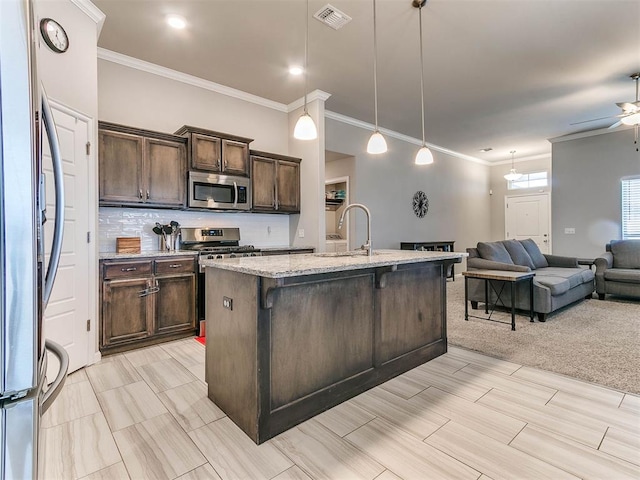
(26, 275)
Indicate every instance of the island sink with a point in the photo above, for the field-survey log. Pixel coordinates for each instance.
(291, 336)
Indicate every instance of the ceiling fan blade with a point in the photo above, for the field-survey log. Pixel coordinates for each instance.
(629, 107)
(596, 119)
(617, 124)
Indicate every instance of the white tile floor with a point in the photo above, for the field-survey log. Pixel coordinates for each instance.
(145, 415)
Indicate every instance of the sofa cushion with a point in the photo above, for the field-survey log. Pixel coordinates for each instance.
(534, 252)
(494, 251)
(518, 254)
(557, 285)
(575, 276)
(626, 275)
(626, 253)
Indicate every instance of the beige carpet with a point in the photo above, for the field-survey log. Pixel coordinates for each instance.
(593, 340)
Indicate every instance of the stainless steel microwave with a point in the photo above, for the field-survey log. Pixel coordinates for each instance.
(221, 192)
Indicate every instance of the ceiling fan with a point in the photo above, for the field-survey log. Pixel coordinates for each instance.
(630, 110)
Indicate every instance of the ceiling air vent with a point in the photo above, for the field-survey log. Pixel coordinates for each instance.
(331, 16)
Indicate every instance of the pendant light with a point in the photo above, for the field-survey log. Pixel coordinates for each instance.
(512, 175)
(305, 127)
(424, 155)
(377, 144)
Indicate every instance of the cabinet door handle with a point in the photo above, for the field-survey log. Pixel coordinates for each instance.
(140, 193)
(147, 194)
(273, 204)
(143, 293)
(175, 265)
(130, 269)
(153, 290)
(219, 167)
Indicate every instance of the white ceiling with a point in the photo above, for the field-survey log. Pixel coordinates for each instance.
(506, 74)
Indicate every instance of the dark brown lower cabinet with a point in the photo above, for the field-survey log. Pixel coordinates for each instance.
(146, 302)
(173, 313)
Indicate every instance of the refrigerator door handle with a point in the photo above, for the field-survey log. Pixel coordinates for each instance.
(55, 387)
(56, 157)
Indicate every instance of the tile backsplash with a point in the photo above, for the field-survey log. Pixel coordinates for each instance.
(261, 230)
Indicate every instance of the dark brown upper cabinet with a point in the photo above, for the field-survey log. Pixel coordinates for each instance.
(275, 182)
(216, 152)
(141, 167)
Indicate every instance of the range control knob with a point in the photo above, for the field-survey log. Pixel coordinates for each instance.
(218, 256)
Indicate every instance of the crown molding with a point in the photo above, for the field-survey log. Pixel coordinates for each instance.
(91, 11)
(401, 136)
(125, 60)
(312, 96)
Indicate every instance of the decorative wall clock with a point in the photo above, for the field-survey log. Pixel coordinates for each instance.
(420, 204)
(54, 35)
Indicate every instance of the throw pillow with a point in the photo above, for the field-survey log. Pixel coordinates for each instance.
(518, 254)
(494, 251)
(534, 252)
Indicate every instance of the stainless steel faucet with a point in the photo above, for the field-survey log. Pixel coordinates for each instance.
(366, 246)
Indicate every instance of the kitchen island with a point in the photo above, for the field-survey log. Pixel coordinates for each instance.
(291, 336)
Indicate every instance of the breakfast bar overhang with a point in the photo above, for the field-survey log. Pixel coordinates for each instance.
(291, 336)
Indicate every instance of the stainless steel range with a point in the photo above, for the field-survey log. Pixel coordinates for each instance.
(213, 243)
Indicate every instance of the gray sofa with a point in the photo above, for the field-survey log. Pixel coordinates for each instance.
(618, 269)
(558, 282)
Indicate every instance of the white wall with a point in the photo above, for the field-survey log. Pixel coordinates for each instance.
(140, 99)
(458, 192)
(586, 190)
(499, 190)
(70, 78)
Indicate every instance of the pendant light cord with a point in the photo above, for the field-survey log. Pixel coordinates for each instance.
(306, 58)
(422, 78)
(375, 66)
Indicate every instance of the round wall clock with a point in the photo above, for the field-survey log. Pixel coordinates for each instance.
(420, 204)
(54, 35)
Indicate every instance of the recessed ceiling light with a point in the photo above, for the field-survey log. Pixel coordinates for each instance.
(295, 70)
(176, 21)
(485, 150)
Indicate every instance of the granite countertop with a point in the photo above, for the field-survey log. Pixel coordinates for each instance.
(313, 263)
(145, 254)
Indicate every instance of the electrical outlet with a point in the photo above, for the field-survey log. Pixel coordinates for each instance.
(227, 303)
(570, 231)
(301, 232)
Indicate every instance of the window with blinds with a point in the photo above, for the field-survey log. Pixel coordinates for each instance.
(631, 208)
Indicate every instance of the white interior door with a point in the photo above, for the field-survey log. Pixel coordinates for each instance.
(67, 313)
(528, 216)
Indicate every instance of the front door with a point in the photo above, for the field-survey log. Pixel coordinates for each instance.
(527, 216)
(66, 315)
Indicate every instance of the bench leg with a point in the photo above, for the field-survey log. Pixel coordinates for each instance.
(601, 296)
(541, 317)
